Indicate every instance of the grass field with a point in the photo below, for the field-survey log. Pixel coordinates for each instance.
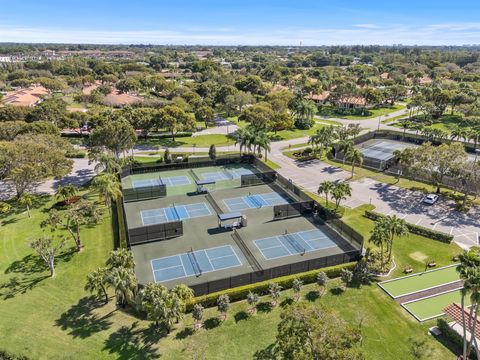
(197, 141)
(372, 113)
(56, 319)
(424, 280)
(428, 308)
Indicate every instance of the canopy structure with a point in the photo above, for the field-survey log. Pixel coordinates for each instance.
(201, 185)
(229, 216)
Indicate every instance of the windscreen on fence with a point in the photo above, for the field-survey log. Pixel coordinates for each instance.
(156, 232)
(144, 193)
(294, 209)
(258, 178)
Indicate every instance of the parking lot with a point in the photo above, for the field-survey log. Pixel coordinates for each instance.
(408, 205)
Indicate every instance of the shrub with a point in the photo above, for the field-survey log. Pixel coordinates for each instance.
(76, 154)
(5, 355)
(262, 288)
(304, 124)
(415, 229)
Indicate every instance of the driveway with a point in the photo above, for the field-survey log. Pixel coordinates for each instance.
(407, 204)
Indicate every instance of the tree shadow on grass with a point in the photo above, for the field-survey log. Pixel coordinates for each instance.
(81, 321)
(188, 331)
(32, 263)
(9, 221)
(134, 343)
(286, 302)
(337, 291)
(264, 307)
(241, 315)
(19, 285)
(312, 295)
(265, 354)
(211, 323)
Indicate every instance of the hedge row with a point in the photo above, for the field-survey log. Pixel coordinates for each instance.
(5, 355)
(415, 229)
(261, 288)
(452, 336)
(169, 135)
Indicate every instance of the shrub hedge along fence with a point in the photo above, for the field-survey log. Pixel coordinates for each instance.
(261, 288)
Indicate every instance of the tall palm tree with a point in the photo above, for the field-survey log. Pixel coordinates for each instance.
(107, 163)
(395, 227)
(344, 146)
(243, 138)
(355, 156)
(325, 187)
(262, 141)
(108, 187)
(97, 283)
(379, 237)
(124, 282)
(121, 258)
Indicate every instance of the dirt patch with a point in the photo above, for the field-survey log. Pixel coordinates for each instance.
(418, 256)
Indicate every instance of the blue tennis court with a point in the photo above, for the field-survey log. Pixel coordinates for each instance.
(254, 201)
(194, 263)
(174, 213)
(293, 244)
(169, 181)
(226, 174)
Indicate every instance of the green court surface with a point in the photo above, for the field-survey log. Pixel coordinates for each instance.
(428, 308)
(420, 281)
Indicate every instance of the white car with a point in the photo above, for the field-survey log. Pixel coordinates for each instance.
(430, 199)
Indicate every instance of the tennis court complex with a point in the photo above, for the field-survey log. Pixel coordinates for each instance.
(194, 263)
(425, 294)
(174, 213)
(382, 150)
(254, 201)
(293, 244)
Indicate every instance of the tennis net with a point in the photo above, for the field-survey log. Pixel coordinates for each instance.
(253, 198)
(175, 211)
(194, 262)
(246, 251)
(213, 203)
(194, 176)
(291, 240)
(229, 174)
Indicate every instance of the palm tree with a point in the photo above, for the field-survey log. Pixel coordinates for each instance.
(262, 141)
(405, 124)
(243, 138)
(106, 163)
(27, 200)
(109, 187)
(325, 187)
(97, 283)
(403, 158)
(274, 290)
(340, 192)
(379, 237)
(354, 155)
(121, 258)
(124, 282)
(395, 227)
(252, 300)
(65, 192)
(297, 287)
(344, 146)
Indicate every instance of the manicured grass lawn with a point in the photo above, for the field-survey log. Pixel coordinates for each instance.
(372, 113)
(199, 141)
(272, 164)
(55, 319)
(420, 281)
(433, 307)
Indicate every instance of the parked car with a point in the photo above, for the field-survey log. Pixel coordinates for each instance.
(430, 199)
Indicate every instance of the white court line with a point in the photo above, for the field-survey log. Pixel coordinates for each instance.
(419, 220)
(208, 258)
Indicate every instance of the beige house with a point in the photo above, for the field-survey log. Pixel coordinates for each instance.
(28, 97)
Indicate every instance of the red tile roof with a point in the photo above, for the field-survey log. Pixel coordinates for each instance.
(455, 312)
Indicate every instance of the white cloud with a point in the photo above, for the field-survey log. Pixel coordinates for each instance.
(434, 34)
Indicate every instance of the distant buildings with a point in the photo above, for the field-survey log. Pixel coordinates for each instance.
(28, 97)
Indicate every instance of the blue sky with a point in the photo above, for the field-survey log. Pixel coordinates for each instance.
(260, 22)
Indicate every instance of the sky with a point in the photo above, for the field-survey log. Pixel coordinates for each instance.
(245, 22)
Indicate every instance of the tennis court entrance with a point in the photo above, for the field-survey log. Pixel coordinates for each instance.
(293, 244)
(194, 263)
(255, 201)
(174, 213)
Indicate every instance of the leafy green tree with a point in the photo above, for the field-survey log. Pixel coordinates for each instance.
(128, 84)
(184, 293)
(205, 114)
(325, 187)
(46, 248)
(124, 282)
(97, 282)
(322, 280)
(52, 110)
(308, 331)
(152, 300)
(223, 304)
(346, 276)
(5, 207)
(259, 115)
(83, 213)
(115, 136)
(174, 119)
(344, 147)
(236, 102)
(252, 300)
